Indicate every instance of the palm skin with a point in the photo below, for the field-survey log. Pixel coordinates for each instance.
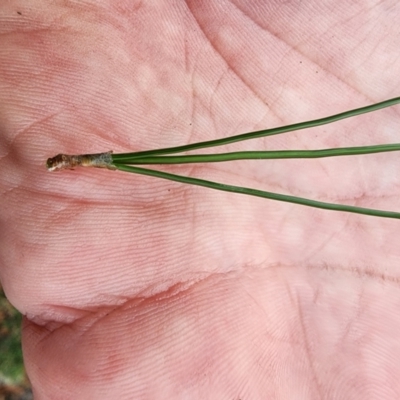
(144, 289)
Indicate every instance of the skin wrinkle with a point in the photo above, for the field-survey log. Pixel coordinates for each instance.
(241, 78)
(26, 131)
(217, 51)
(141, 298)
(52, 327)
(308, 351)
(314, 62)
(290, 48)
(323, 243)
(212, 96)
(224, 74)
(190, 71)
(359, 271)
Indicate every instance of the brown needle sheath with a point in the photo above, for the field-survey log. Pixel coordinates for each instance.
(65, 161)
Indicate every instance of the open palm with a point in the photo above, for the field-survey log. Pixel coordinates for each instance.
(138, 288)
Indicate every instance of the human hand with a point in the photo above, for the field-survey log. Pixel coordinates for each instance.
(138, 288)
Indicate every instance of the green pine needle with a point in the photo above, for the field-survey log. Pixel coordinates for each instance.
(257, 155)
(259, 193)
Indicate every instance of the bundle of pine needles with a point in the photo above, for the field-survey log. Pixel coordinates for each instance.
(128, 161)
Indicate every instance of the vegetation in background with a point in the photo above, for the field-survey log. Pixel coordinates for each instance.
(13, 380)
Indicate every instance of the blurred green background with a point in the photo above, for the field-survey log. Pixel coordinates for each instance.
(14, 384)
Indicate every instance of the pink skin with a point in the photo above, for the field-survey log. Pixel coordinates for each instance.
(138, 288)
